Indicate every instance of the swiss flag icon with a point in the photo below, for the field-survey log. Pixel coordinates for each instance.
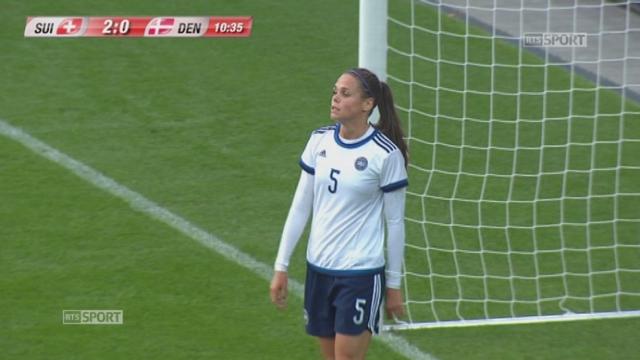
(69, 26)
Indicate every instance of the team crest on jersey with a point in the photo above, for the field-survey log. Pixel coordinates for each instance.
(361, 163)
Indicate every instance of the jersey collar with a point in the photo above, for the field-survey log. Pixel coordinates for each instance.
(336, 137)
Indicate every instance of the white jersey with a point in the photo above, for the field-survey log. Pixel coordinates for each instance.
(347, 231)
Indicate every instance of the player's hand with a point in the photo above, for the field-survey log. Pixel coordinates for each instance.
(279, 289)
(394, 305)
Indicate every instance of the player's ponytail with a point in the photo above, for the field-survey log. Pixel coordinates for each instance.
(389, 122)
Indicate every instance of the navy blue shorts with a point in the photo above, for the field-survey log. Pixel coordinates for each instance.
(344, 304)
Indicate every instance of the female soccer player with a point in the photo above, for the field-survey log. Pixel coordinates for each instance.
(353, 178)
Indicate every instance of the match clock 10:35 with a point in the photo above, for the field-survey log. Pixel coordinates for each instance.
(228, 27)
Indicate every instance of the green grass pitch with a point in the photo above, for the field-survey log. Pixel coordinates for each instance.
(210, 129)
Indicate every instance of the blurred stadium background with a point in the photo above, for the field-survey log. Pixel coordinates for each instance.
(210, 129)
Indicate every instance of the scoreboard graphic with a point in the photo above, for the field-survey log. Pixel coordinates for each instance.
(136, 26)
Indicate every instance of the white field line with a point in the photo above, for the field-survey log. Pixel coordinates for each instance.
(157, 212)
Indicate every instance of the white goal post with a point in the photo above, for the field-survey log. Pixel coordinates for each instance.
(523, 125)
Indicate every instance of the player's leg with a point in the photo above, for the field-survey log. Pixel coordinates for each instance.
(327, 347)
(352, 347)
(358, 303)
(319, 312)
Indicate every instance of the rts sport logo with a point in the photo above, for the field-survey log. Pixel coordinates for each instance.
(70, 26)
(159, 26)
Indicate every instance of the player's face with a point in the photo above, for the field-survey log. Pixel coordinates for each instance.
(349, 101)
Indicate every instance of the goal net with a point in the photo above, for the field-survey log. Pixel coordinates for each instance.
(523, 126)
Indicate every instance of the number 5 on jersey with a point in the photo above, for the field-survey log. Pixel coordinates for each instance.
(333, 187)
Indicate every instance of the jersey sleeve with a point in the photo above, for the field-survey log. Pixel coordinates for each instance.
(308, 158)
(394, 215)
(394, 174)
(296, 221)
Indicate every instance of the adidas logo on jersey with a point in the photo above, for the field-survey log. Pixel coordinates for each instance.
(323, 153)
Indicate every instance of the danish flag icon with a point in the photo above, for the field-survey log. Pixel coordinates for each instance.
(159, 26)
(69, 26)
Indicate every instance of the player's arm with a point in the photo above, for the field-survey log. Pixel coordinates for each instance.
(294, 226)
(395, 178)
(394, 202)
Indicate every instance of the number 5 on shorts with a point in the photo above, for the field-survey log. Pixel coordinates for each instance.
(360, 304)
